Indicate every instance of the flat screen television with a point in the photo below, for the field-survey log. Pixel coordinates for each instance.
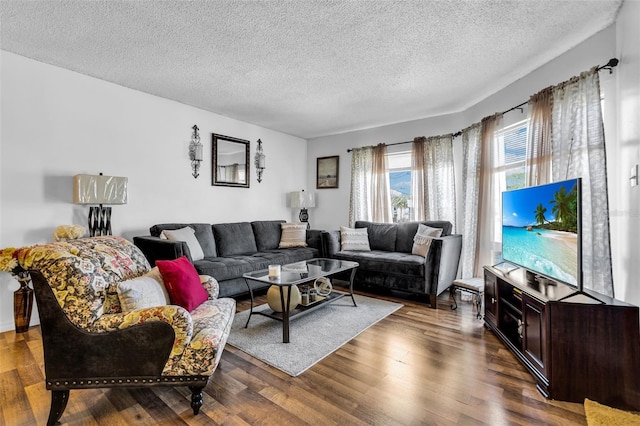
(541, 230)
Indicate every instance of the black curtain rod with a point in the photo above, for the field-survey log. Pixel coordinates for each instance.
(613, 62)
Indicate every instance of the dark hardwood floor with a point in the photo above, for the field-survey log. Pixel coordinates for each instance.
(417, 366)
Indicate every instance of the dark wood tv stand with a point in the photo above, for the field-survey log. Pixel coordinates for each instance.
(576, 345)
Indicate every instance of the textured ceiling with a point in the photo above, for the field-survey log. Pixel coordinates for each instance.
(301, 67)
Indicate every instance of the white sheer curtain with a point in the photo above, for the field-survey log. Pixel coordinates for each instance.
(380, 186)
(417, 178)
(361, 199)
(370, 197)
(471, 149)
(489, 196)
(439, 179)
(539, 142)
(437, 188)
(579, 151)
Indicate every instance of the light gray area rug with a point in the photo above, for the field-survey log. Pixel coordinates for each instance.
(313, 336)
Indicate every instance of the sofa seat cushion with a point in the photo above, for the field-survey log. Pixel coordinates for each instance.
(295, 254)
(226, 268)
(223, 268)
(386, 262)
(211, 326)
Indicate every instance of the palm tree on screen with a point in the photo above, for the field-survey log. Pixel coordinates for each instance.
(539, 214)
(564, 207)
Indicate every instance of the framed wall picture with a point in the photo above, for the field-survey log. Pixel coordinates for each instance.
(327, 172)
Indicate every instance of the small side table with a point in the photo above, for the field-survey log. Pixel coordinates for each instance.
(474, 286)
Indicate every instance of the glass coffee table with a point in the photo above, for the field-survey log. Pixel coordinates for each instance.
(300, 273)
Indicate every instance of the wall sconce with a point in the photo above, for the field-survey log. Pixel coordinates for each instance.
(302, 200)
(259, 161)
(99, 189)
(195, 152)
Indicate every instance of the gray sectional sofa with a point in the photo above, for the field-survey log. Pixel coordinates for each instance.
(230, 249)
(390, 263)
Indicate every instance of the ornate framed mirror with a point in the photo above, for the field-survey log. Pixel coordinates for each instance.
(230, 165)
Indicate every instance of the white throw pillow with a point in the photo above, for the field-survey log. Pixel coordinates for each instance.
(422, 239)
(188, 235)
(354, 239)
(146, 291)
(293, 235)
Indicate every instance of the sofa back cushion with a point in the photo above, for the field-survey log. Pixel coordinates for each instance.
(407, 230)
(382, 236)
(203, 233)
(235, 238)
(267, 234)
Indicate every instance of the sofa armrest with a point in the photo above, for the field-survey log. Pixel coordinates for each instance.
(211, 285)
(141, 348)
(448, 251)
(330, 243)
(176, 316)
(155, 248)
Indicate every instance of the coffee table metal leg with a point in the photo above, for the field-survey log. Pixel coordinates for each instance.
(251, 295)
(353, 275)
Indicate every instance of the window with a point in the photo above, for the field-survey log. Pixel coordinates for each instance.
(508, 173)
(399, 164)
(511, 156)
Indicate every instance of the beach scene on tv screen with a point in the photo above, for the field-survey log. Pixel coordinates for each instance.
(540, 229)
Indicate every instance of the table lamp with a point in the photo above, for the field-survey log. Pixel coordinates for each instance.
(302, 200)
(100, 190)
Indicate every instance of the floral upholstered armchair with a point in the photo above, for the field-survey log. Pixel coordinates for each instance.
(92, 339)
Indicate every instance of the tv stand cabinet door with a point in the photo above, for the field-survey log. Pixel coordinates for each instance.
(491, 299)
(535, 337)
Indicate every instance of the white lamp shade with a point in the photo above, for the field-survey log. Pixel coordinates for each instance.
(98, 189)
(302, 200)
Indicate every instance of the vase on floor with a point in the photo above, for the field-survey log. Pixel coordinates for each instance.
(273, 297)
(22, 304)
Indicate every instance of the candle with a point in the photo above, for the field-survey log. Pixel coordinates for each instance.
(274, 271)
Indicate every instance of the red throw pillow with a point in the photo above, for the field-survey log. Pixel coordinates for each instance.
(182, 282)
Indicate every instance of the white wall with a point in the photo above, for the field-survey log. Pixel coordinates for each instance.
(57, 123)
(622, 131)
(622, 154)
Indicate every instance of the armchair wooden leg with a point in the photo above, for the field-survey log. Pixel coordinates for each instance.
(59, 399)
(433, 301)
(196, 398)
